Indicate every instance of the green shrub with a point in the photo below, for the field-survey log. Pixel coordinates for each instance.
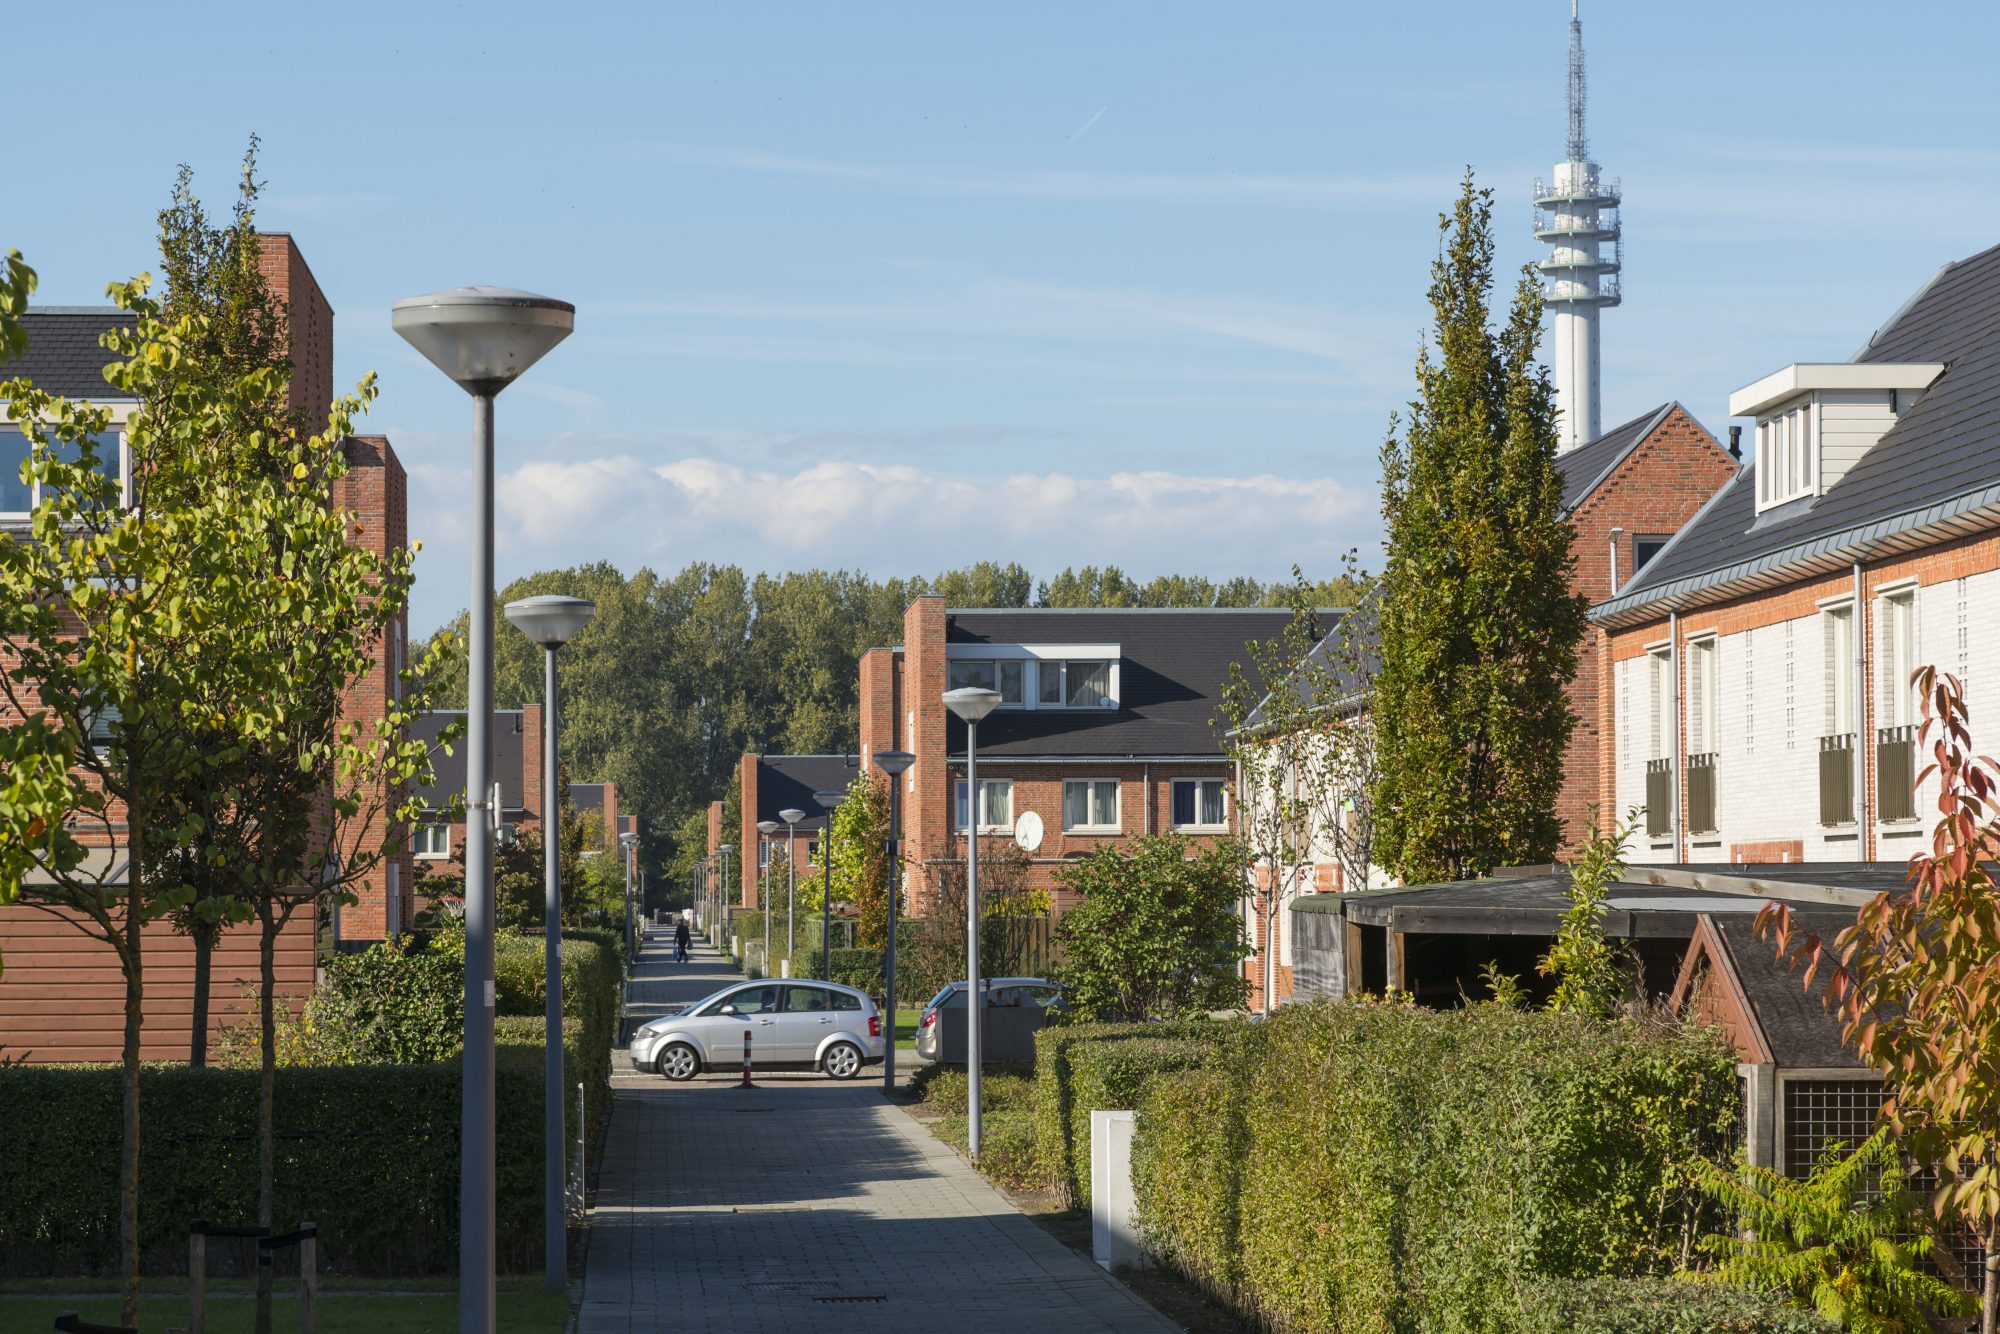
(858, 968)
(1666, 1306)
(1410, 1170)
(1081, 1068)
(367, 1152)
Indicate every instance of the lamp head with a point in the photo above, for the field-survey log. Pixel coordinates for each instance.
(551, 620)
(894, 762)
(767, 826)
(484, 338)
(628, 840)
(971, 703)
(727, 849)
(830, 798)
(791, 815)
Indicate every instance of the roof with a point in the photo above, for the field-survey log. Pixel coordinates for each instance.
(1797, 1028)
(587, 796)
(1587, 465)
(448, 771)
(1173, 664)
(1350, 679)
(1935, 474)
(64, 355)
(787, 782)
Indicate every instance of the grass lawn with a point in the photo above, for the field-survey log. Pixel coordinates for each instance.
(906, 1029)
(524, 1308)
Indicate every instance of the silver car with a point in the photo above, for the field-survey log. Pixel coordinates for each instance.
(806, 1025)
(1036, 991)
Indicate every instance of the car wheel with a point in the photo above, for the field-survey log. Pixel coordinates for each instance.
(679, 1062)
(842, 1060)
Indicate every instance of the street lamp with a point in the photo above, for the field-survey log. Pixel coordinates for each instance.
(551, 621)
(791, 815)
(894, 763)
(483, 338)
(765, 828)
(970, 704)
(721, 893)
(630, 842)
(827, 801)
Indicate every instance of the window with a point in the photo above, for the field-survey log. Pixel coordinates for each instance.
(807, 1000)
(17, 497)
(1008, 676)
(1644, 548)
(747, 1000)
(1090, 804)
(1896, 651)
(1701, 702)
(432, 841)
(1199, 803)
(1788, 456)
(1837, 673)
(996, 804)
(1659, 672)
(1086, 685)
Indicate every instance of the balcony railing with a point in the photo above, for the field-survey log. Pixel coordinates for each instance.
(1836, 779)
(1896, 772)
(1659, 798)
(1701, 793)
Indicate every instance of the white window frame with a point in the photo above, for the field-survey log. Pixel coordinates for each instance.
(1788, 455)
(1896, 650)
(1199, 826)
(1837, 670)
(1659, 695)
(418, 849)
(1092, 786)
(1703, 681)
(1043, 663)
(114, 429)
(987, 788)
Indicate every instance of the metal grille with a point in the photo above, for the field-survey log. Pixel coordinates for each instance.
(1836, 779)
(1701, 793)
(1659, 797)
(1819, 1110)
(1896, 772)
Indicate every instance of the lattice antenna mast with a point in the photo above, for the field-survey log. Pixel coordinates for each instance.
(1579, 145)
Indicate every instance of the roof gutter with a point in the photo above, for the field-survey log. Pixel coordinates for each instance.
(1864, 542)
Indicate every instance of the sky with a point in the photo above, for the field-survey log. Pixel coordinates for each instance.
(898, 287)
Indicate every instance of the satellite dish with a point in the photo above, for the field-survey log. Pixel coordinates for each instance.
(1028, 831)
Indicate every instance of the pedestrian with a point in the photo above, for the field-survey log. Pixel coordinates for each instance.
(681, 941)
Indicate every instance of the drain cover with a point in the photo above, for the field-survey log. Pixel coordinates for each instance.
(803, 1287)
(855, 1297)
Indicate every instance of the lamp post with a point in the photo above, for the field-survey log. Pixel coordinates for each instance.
(484, 338)
(894, 763)
(721, 895)
(630, 842)
(970, 704)
(827, 801)
(765, 828)
(551, 621)
(791, 815)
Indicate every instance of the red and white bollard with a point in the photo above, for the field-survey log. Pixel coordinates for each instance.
(746, 1061)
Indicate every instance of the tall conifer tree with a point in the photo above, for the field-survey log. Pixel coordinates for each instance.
(1479, 624)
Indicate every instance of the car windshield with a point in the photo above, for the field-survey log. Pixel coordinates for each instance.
(939, 999)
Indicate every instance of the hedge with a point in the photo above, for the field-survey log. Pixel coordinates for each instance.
(858, 968)
(1667, 1306)
(367, 1152)
(1368, 1167)
(1081, 1068)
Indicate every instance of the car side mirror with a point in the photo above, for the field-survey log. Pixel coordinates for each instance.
(727, 1009)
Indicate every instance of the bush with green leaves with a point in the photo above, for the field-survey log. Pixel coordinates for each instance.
(858, 968)
(1374, 1167)
(1081, 1068)
(1666, 1306)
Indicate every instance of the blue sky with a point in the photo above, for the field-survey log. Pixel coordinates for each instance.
(899, 287)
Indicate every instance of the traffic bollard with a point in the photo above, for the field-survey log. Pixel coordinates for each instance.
(746, 1061)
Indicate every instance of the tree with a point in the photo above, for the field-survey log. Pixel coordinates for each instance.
(1479, 624)
(1156, 935)
(1850, 1241)
(1915, 981)
(1582, 960)
(859, 842)
(933, 954)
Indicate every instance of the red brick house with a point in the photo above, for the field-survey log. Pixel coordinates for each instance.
(61, 996)
(774, 783)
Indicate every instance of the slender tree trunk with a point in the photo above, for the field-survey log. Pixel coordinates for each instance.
(128, 1156)
(1989, 1308)
(267, 1086)
(204, 957)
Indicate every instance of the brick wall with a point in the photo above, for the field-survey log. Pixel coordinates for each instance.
(309, 322)
(926, 789)
(747, 835)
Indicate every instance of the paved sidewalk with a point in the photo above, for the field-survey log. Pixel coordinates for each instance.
(809, 1205)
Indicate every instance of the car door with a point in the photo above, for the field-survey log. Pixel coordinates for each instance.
(756, 1009)
(807, 1017)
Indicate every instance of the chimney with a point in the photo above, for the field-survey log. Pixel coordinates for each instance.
(308, 321)
(1736, 443)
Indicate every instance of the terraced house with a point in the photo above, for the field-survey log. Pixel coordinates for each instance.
(1760, 707)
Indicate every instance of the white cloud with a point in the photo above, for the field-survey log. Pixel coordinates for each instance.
(888, 519)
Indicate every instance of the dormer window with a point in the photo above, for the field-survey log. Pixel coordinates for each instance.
(1815, 421)
(1039, 676)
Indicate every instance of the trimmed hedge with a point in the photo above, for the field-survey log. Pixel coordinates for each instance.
(1081, 1068)
(859, 968)
(1668, 1306)
(1367, 1167)
(367, 1152)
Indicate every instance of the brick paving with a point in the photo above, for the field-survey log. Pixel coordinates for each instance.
(808, 1205)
